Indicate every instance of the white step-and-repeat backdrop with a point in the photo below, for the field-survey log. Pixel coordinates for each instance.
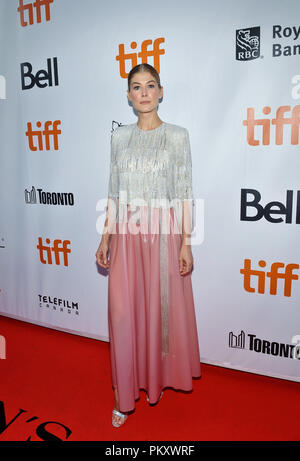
(231, 75)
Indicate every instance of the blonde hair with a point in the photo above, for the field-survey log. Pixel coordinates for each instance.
(144, 67)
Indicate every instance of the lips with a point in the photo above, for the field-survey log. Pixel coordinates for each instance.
(145, 102)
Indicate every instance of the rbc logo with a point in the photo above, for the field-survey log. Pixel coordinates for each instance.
(247, 44)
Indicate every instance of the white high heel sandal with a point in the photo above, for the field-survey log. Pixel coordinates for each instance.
(116, 412)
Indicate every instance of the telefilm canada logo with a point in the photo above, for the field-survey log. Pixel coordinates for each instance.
(56, 304)
(247, 44)
(263, 346)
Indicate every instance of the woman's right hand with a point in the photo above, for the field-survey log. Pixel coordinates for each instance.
(102, 254)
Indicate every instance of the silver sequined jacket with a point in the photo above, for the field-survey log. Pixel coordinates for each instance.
(151, 165)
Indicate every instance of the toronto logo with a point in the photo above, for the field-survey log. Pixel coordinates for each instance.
(237, 341)
(265, 346)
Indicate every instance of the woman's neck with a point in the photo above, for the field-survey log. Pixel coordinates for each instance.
(148, 121)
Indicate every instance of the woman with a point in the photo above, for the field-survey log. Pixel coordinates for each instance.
(151, 317)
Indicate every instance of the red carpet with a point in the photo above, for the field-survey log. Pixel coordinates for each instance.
(55, 383)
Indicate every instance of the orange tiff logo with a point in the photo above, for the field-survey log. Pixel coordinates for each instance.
(29, 8)
(59, 246)
(286, 275)
(46, 133)
(145, 52)
(279, 121)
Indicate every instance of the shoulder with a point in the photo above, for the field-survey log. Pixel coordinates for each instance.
(178, 136)
(179, 141)
(122, 132)
(117, 131)
(176, 131)
(172, 130)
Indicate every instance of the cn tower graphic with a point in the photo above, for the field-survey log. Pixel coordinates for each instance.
(30, 196)
(237, 341)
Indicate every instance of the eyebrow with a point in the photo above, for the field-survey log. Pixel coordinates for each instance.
(146, 82)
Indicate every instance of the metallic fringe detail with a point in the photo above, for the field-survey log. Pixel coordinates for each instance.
(143, 164)
(164, 290)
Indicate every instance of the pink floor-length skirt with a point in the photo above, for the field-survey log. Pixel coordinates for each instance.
(151, 346)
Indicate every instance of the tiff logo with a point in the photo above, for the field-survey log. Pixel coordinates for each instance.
(279, 121)
(247, 44)
(237, 341)
(145, 52)
(57, 248)
(46, 132)
(287, 275)
(29, 8)
(2, 347)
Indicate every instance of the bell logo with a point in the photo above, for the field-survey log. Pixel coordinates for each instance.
(274, 212)
(29, 7)
(145, 52)
(58, 247)
(274, 274)
(41, 77)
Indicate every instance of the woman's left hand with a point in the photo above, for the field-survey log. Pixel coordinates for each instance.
(185, 260)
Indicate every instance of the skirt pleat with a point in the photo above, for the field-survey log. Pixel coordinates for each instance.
(151, 315)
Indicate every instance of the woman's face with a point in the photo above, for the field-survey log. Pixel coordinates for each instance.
(144, 92)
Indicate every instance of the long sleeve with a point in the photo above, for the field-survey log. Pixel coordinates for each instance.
(113, 186)
(183, 184)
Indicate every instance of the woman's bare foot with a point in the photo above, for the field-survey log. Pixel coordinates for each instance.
(116, 418)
